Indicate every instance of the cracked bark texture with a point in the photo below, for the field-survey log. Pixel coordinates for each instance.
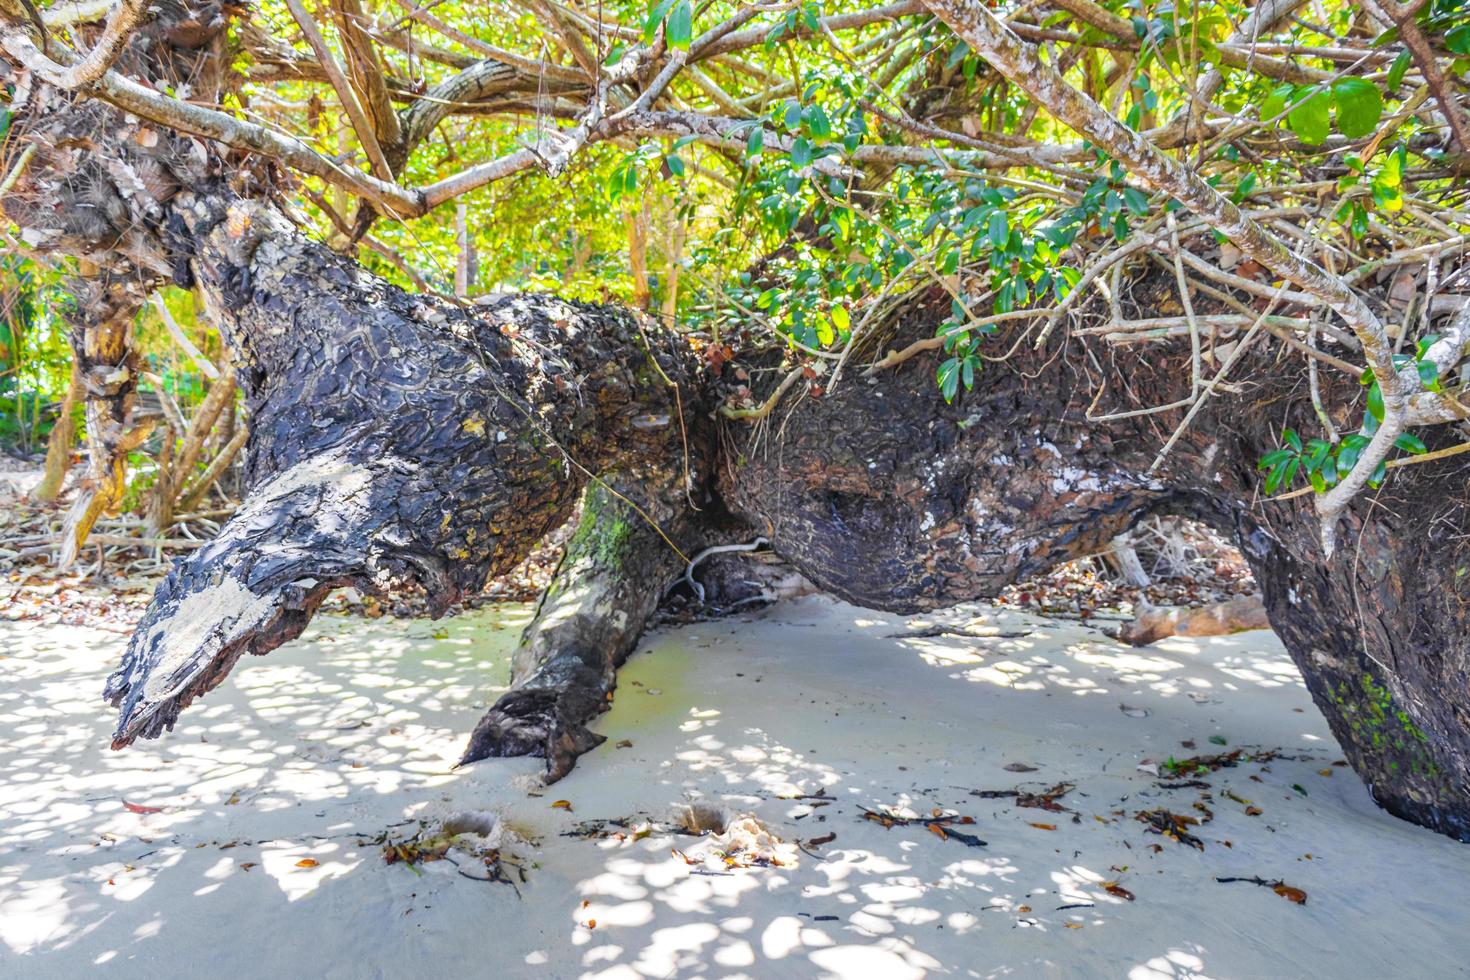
(393, 438)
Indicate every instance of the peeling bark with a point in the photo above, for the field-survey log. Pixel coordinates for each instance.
(101, 341)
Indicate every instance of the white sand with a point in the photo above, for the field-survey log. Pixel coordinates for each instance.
(351, 730)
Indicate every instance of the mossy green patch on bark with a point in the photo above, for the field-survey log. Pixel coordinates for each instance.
(603, 532)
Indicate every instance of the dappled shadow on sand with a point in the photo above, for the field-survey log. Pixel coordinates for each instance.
(805, 716)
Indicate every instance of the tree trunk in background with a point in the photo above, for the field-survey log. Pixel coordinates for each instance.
(101, 341)
(59, 444)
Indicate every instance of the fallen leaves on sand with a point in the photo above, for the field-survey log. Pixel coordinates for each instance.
(1043, 800)
(1019, 767)
(1205, 764)
(1045, 826)
(939, 824)
(1290, 894)
(562, 805)
(307, 863)
(140, 808)
(819, 841)
(1113, 888)
(1174, 826)
(1293, 895)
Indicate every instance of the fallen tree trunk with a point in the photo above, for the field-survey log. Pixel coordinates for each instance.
(408, 440)
(401, 437)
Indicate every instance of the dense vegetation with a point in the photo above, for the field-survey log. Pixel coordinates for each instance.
(791, 171)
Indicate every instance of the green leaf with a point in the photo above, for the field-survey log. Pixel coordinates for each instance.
(1400, 65)
(1292, 439)
(1429, 375)
(1310, 119)
(1411, 444)
(825, 333)
(999, 229)
(1277, 474)
(1375, 402)
(841, 319)
(949, 378)
(1273, 457)
(1275, 103)
(1359, 106)
(680, 29)
(675, 163)
(655, 17)
(817, 122)
(801, 153)
(1388, 183)
(755, 141)
(1291, 469)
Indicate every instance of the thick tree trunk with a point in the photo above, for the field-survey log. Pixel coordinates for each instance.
(889, 498)
(397, 436)
(392, 438)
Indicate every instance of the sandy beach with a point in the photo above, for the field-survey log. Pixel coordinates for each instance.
(249, 842)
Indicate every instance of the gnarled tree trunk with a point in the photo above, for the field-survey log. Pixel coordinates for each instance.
(404, 437)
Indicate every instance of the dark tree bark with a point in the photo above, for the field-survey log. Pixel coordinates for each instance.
(393, 438)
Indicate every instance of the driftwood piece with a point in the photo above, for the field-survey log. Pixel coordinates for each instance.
(1154, 623)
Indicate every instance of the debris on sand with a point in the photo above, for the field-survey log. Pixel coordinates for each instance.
(939, 823)
(1294, 895)
(1044, 800)
(1174, 826)
(466, 840)
(743, 841)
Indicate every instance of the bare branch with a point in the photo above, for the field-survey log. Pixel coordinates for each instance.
(366, 133)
